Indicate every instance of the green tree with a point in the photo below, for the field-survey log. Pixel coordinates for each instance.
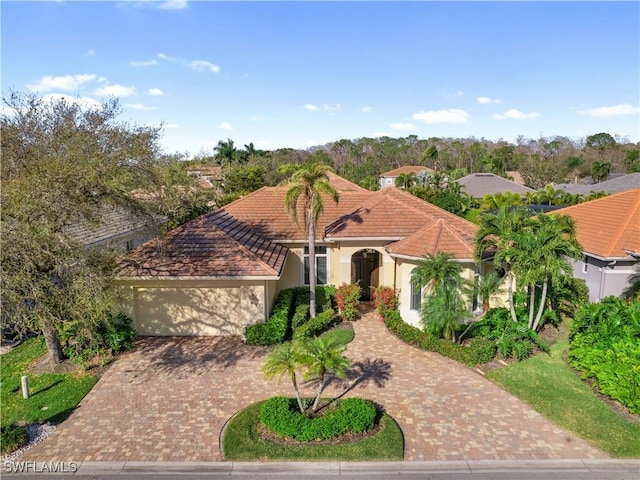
(64, 164)
(435, 270)
(495, 237)
(600, 170)
(225, 152)
(244, 179)
(494, 201)
(309, 182)
(600, 142)
(406, 180)
(484, 288)
(283, 360)
(320, 356)
(444, 311)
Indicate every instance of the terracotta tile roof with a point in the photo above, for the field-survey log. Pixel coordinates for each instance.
(436, 236)
(344, 185)
(478, 185)
(608, 227)
(213, 245)
(406, 169)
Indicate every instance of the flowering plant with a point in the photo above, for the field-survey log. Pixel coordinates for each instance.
(348, 299)
(385, 299)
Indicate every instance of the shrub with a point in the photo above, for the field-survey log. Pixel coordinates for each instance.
(348, 299)
(477, 352)
(603, 344)
(385, 299)
(326, 297)
(12, 437)
(315, 325)
(273, 331)
(300, 316)
(353, 415)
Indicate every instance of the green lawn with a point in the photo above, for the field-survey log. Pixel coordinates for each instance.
(340, 335)
(52, 396)
(241, 442)
(547, 384)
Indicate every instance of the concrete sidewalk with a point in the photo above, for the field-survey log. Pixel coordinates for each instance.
(521, 469)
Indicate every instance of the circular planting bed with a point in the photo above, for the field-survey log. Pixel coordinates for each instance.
(274, 429)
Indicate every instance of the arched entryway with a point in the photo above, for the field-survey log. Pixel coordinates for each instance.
(365, 268)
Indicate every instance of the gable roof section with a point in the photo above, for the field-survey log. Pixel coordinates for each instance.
(406, 169)
(344, 185)
(215, 245)
(608, 227)
(613, 185)
(478, 185)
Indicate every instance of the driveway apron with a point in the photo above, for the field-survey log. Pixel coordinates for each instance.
(169, 399)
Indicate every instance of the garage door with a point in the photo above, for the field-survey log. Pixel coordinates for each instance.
(188, 311)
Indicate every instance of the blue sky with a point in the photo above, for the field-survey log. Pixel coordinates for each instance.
(298, 74)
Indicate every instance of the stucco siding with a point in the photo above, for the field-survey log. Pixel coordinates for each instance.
(603, 278)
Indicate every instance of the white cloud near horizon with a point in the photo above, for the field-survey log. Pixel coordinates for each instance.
(451, 115)
(143, 63)
(83, 102)
(62, 82)
(155, 92)
(486, 100)
(162, 5)
(173, 5)
(202, 65)
(115, 90)
(514, 114)
(225, 126)
(311, 107)
(403, 126)
(138, 106)
(329, 108)
(611, 111)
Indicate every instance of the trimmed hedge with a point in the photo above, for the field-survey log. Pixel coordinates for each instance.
(315, 325)
(275, 330)
(281, 416)
(479, 351)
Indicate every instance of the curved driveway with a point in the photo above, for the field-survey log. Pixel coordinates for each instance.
(169, 398)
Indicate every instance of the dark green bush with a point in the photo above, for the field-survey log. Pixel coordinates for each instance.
(12, 437)
(300, 316)
(475, 353)
(604, 343)
(281, 416)
(315, 326)
(274, 331)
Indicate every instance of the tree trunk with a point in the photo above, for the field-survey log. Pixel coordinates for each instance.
(319, 393)
(312, 266)
(485, 306)
(512, 307)
(532, 303)
(295, 387)
(52, 341)
(543, 299)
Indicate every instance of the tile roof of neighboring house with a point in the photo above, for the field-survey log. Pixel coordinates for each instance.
(111, 224)
(608, 227)
(613, 185)
(344, 185)
(406, 169)
(478, 185)
(213, 245)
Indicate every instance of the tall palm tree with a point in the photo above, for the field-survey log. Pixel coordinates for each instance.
(406, 180)
(600, 170)
(309, 182)
(226, 152)
(284, 360)
(437, 269)
(320, 356)
(495, 235)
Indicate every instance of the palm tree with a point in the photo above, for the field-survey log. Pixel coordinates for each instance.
(500, 199)
(406, 180)
(495, 235)
(444, 311)
(484, 288)
(437, 269)
(226, 152)
(309, 182)
(600, 170)
(320, 356)
(284, 360)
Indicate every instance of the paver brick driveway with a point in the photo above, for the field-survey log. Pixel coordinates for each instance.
(169, 399)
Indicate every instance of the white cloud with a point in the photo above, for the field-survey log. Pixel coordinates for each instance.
(311, 107)
(143, 63)
(162, 5)
(173, 5)
(203, 65)
(403, 126)
(612, 111)
(83, 102)
(162, 56)
(115, 90)
(138, 106)
(451, 115)
(329, 108)
(366, 109)
(488, 100)
(512, 113)
(225, 126)
(8, 111)
(155, 92)
(63, 82)
(256, 118)
(91, 52)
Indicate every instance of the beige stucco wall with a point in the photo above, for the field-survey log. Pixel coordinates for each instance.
(207, 307)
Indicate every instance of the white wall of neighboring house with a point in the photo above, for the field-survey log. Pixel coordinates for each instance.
(604, 277)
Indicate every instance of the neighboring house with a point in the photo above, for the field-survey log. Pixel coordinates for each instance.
(616, 184)
(114, 228)
(609, 230)
(477, 185)
(207, 175)
(388, 179)
(222, 271)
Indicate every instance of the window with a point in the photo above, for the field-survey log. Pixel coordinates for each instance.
(416, 294)
(585, 265)
(321, 266)
(129, 245)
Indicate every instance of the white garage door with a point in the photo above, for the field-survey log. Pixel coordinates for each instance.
(188, 311)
